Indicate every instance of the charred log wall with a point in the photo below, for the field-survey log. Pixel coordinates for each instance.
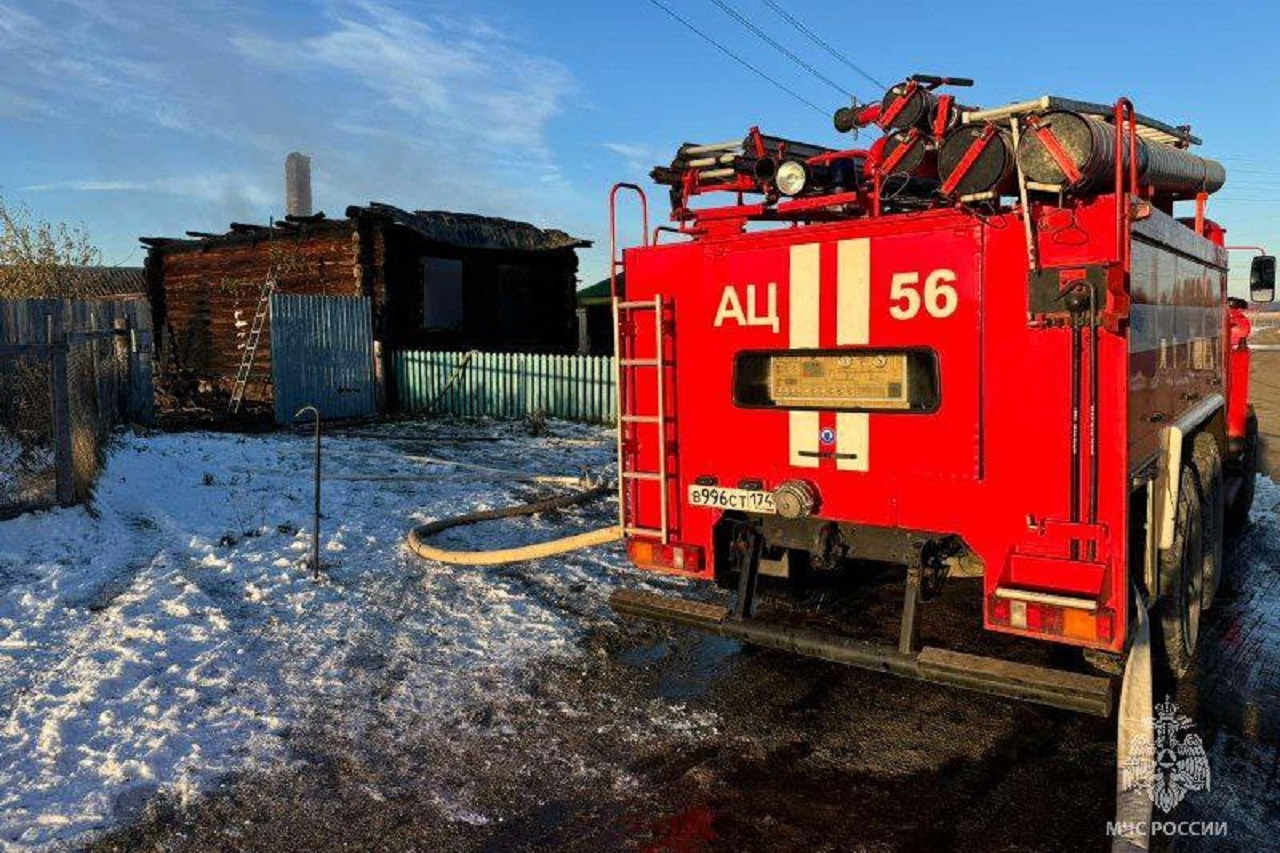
(206, 296)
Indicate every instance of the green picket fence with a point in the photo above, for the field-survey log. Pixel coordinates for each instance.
(506, 385)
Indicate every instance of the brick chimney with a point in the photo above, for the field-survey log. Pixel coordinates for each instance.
(297, 184)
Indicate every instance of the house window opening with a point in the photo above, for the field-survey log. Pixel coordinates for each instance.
(441, 294)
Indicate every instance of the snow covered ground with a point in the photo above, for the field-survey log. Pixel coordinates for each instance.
(174, 634)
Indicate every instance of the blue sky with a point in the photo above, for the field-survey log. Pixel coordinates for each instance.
(135, 117)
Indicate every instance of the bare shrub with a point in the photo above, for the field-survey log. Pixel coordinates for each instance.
(45, 260)
(41, 259)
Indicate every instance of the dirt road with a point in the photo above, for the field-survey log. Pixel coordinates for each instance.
(667, 740)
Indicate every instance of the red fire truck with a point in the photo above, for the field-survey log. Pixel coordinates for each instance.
(983, 345)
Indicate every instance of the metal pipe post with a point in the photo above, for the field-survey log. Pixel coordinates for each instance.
(315, 529)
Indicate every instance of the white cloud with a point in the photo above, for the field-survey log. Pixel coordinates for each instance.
(630, 151)
(57, 62)
(240, 188)
(213, 68)
(458, 77)
(87, 186)
(416, 105)
(14, 104)
(640, 158)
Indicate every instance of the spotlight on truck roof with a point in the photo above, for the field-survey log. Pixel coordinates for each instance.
(791, 178)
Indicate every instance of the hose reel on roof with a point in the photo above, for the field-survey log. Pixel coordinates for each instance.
(1060, 141)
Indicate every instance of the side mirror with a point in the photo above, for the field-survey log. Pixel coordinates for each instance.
(1262, 279)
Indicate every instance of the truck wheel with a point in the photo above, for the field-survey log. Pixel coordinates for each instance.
(1181, 580)
(1238, 509)
(1213, 512)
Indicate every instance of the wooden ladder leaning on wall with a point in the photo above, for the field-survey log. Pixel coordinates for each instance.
(251, 345)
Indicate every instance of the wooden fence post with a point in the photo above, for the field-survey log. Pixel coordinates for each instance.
(141, 363)
(58, 391)
(122, 368)
(93, 358)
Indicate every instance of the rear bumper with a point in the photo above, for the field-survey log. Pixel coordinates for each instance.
(1061, 689)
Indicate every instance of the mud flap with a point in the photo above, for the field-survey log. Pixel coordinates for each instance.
(1133, 733)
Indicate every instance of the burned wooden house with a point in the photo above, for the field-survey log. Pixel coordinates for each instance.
(433, 280)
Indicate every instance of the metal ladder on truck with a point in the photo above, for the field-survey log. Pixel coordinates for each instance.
(251, 345)
(628, 360)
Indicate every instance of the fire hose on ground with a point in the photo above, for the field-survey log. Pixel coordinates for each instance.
(419, 536)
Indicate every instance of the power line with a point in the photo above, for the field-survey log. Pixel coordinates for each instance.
(765, 37)
(813, 37)
(126, 258)
(718, 46)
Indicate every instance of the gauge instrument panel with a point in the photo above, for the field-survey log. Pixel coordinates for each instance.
(904, 380)
(840, 381)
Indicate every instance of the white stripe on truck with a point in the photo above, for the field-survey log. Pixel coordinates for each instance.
(853, 328)
(805, 289)
(806, 285)
(804, 439)
(853, 292)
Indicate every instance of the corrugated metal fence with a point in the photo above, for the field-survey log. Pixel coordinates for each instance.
(322, 356)
(506, 385)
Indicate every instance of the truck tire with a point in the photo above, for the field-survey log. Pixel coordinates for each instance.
(1238, 509)
(1213, 512)
(1181, 581)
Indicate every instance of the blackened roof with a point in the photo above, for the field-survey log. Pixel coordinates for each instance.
(465, 230)
(470, 230)
(240, 232)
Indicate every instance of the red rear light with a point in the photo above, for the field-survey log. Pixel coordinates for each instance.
(665, 558)
(998, 611)
(1044, 619)
(1106, 625)
(1052, 620)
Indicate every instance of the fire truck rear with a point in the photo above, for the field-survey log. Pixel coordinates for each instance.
(983, 345)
